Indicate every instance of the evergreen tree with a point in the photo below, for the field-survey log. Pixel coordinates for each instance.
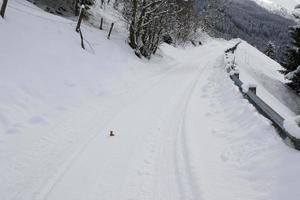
(291, 66)
(271, 50)
(294, 77)
(292, 60)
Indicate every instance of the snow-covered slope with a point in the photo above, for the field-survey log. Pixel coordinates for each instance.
(284, 8)
(274, 7)
(45, 72)
(247, 20)
(182, 130)
(288, 4)
(259, 69)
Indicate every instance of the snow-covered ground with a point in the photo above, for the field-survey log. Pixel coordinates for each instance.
(182, 129)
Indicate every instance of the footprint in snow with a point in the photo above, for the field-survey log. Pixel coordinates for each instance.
(224, 157)
(37, 120)
(208, 114)
(13, 131)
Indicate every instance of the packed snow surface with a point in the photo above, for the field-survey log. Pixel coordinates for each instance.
(247, 87)
(182, 129)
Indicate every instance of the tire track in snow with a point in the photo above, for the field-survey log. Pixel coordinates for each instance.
(186, 181)
(167, 172)
(52, 182)
(153, 175)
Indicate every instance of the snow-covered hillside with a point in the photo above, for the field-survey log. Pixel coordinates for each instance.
(264, 72)
(273, 6)
(182, 129)
(247, 20)
(288, 4)
(281, 7)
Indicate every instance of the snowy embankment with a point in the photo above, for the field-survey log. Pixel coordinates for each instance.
(45, 73)
(182, 129)
(257, 68)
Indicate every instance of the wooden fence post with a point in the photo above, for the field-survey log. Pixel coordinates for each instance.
(111, 28)
(101, 24)
(81, 37)
(80, 18)
(3, 8)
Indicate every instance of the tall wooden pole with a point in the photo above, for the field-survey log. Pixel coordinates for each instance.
(81, 37)
(3, 8)
(80, 18)
(101, 24)
(111, 28)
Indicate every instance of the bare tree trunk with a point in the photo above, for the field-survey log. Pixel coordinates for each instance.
(150, 20)
(116, 3)
(76, 7)
(132, 38)
(81, 38)
(80, 19)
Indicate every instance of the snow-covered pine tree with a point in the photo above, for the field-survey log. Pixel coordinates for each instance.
(271, 50)
(292, 62)
(294, 77)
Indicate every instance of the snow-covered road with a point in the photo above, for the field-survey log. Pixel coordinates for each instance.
(182, 129)
(185, 134)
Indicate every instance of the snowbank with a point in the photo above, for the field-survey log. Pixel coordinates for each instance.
(292, 125)
(292, 74)
(256, 68)
(246, 87)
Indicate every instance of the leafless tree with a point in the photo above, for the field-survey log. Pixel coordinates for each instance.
(149, 20)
